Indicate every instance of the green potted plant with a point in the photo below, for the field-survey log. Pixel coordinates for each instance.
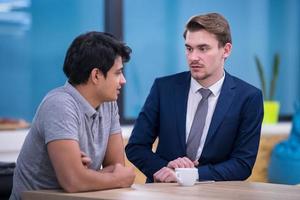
(271, 107)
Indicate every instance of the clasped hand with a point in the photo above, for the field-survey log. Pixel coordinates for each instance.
(167, 174)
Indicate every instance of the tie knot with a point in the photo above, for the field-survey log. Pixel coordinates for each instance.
(204, 93)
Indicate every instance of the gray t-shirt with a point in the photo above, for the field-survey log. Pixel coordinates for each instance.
(63, 114)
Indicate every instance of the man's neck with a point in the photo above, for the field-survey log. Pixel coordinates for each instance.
(211, 80)
(86, 91)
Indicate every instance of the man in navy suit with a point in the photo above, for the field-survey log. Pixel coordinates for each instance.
(230, 137)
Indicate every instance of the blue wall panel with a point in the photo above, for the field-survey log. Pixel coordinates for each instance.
(31, 58)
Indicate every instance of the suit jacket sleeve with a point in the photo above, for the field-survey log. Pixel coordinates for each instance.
(139, 147)
(239, 164)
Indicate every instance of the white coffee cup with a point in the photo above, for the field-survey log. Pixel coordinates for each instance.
(186, 176)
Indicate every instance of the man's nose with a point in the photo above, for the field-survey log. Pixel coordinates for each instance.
(122, 80)
(193, 55)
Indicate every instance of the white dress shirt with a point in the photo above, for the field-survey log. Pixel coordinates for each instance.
(193, 101)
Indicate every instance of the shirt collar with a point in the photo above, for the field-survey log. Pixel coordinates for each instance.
(215, 88)
(86, 107)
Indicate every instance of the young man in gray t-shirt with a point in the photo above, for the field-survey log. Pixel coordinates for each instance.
(75, 140)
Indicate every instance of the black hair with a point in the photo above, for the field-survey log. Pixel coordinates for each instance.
(93, 50)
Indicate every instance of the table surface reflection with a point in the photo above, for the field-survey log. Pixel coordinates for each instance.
(233, 190)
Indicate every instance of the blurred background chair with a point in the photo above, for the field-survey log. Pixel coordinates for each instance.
(284, 164)
(6, 179)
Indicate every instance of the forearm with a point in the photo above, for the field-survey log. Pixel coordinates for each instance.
(74, 176)
(139, 152)
(232, 169)
(144, 159)
(107, 169)
(89, 180)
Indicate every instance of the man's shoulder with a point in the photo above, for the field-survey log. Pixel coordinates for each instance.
(242, 87)
(242, 84)
(58, 99)
(178, 77)
(58, 94)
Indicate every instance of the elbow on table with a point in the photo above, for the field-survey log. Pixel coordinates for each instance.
(243, 174)
(71, 188)
(71, 184)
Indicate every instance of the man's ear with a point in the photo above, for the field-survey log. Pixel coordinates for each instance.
(227, 50)
(96, 75)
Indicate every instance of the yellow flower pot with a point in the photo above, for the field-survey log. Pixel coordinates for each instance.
(271, 112)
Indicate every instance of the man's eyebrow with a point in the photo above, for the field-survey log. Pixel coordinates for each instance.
(120, 69)
(202, 45)
(199, 45)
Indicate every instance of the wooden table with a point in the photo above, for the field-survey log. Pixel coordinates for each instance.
(233, 190)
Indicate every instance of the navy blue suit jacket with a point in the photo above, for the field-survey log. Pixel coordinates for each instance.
(231, 146)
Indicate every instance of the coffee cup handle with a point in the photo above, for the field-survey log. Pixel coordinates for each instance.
(178, 177)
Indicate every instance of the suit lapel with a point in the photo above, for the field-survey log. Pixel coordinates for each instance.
(225, 100)
(181, 97)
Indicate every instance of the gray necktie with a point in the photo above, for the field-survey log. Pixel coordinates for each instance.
(196, 131)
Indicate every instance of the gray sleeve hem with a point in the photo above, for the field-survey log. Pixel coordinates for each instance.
(115, 131)
(60, 138)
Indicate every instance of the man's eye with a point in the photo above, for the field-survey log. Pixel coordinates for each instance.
(203, 49)
(189, 49)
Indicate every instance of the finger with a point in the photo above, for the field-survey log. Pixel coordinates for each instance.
(86, 163)
(82, 154)
(173, 164)
(165, 174)
(196, 163)
(176, 164)
(170, 165)
(168, 179)
(157, 175)
(86, 160)
(188, 162)
(181, 163)
(171, 176)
